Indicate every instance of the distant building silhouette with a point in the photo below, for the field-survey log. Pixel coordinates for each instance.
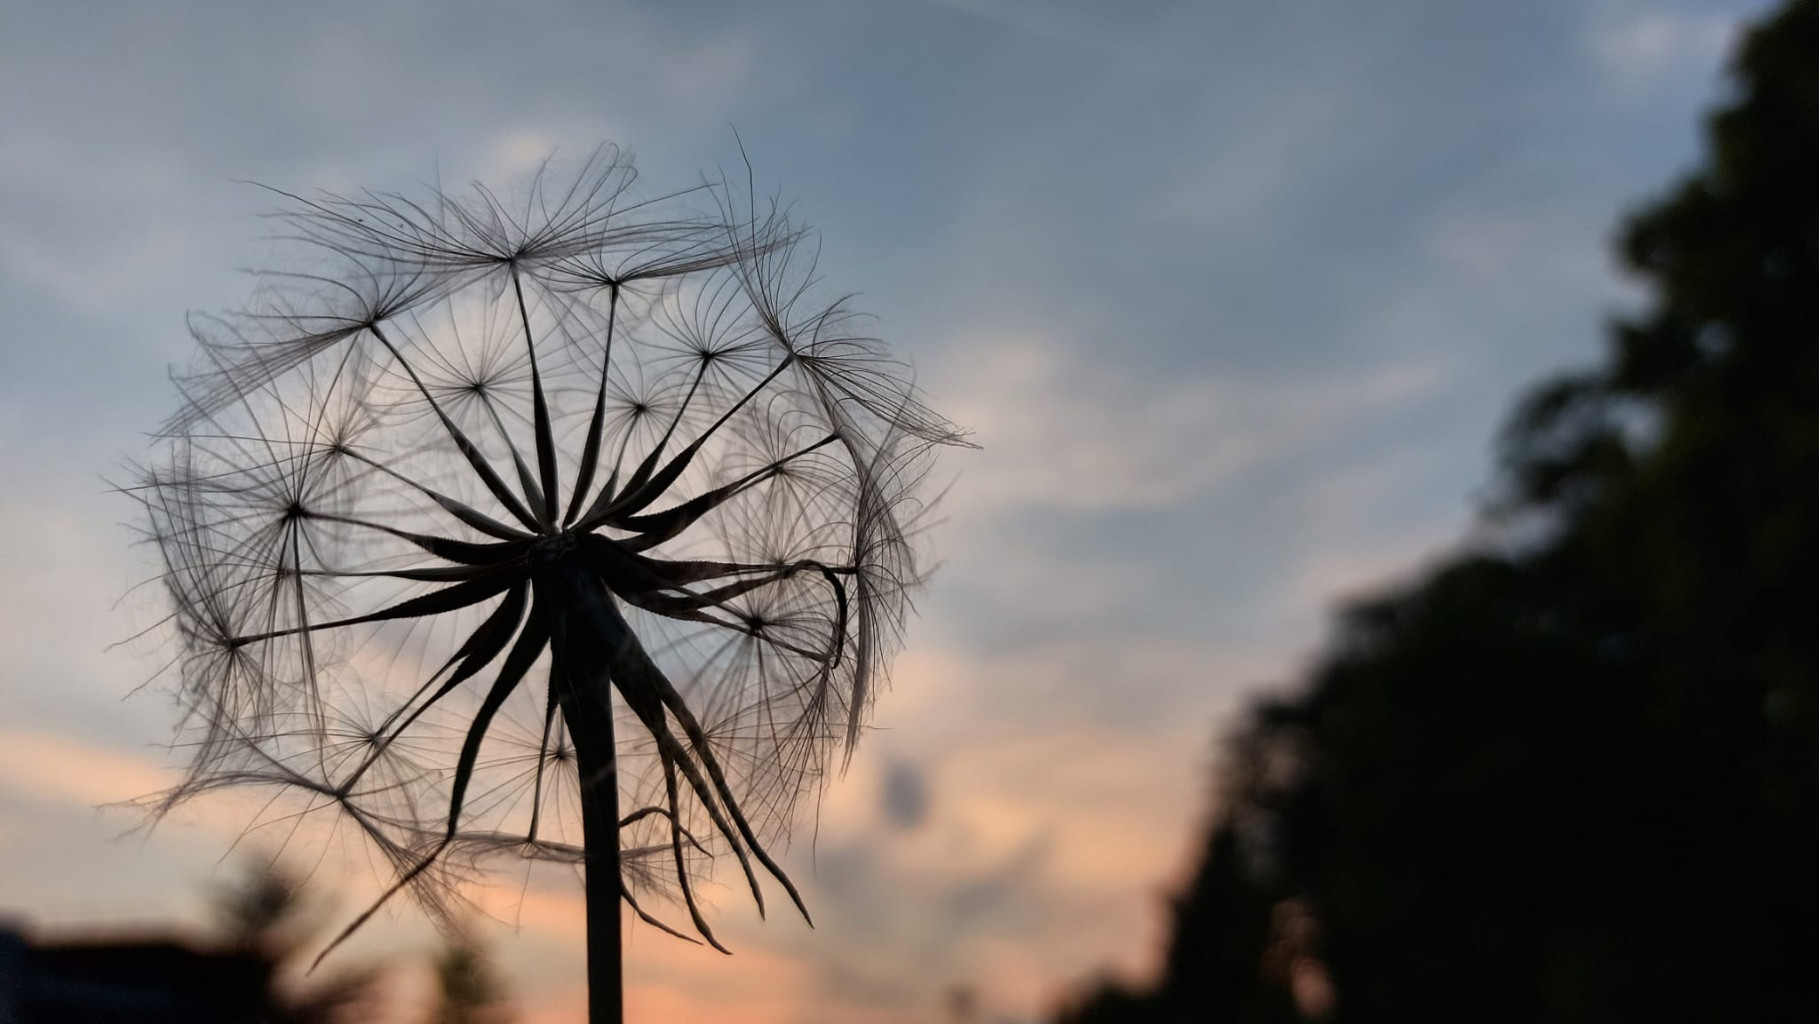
(152, 979)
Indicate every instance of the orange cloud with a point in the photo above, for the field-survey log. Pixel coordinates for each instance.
(60, 769)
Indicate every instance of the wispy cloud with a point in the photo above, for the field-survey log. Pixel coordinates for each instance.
(1639, 47)
(1063, 431)
(1053, 23)
(47, 767)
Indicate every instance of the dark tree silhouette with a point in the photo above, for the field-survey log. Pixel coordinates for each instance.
(470, 989)
(1574, 775)
(267, 916)
(477, 464)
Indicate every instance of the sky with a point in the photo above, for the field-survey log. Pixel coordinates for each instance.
(1232, 295)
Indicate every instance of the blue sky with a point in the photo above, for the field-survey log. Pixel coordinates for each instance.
(1233, 295)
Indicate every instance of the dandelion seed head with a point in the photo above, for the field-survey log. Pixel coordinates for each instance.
(491, 466)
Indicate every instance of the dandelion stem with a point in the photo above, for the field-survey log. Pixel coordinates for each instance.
(593, 735)
(579, 675)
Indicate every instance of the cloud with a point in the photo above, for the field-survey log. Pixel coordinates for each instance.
(59, 769)
(905, 795)
(1358, 537)
(1040, 856)
(1055, 24)
(1643, 47)
(1064, 430)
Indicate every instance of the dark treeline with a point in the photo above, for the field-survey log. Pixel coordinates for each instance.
(1574, 774)
(257, 968)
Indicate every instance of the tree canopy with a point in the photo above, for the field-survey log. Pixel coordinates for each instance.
(1573, 774)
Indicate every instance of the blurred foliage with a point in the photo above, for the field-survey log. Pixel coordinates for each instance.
(471, 992)
(271, 915)
(1574, 776)
(268, 914)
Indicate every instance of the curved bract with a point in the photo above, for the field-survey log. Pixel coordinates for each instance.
(497, 499)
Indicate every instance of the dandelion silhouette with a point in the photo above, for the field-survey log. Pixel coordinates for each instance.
(486, 463)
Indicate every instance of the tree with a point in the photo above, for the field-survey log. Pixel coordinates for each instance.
(1576, 776)
(470, 991)
(267, 917)
(566, 525)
